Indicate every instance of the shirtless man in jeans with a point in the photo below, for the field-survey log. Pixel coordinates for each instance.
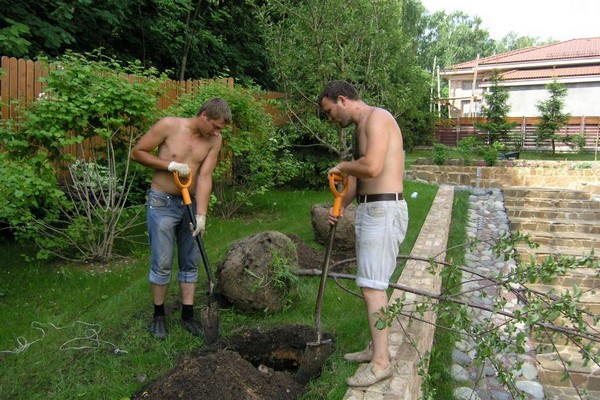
(375, 178)
(184, 145)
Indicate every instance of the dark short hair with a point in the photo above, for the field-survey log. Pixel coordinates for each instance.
(216, 108)
(337, 88)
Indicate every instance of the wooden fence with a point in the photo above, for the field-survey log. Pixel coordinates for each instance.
(20, 84)
(451, 131)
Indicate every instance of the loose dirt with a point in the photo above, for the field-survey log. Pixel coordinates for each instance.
(253, 364)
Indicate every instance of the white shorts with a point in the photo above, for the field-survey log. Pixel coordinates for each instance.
(380, 230)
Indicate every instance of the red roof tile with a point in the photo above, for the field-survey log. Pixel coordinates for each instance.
(551, 72)
(570, 49)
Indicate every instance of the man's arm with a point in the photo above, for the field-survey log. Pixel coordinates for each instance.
(371, 163)
(143, 150)
(204, 178)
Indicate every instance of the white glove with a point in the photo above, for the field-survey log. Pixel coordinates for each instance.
(200, 225)
(183, 169)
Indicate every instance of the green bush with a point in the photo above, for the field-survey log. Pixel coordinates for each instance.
(65, 169)
(440, 154)
(467, 147)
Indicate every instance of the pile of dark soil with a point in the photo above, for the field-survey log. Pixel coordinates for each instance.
(253, 364)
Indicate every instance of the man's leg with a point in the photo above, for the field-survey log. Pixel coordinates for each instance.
(159, 293)
(376, 300)
(187, 292)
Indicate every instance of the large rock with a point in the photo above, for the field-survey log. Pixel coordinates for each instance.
(345, 237)
(257, 273)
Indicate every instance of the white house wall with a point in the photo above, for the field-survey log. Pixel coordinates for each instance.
(581, 99)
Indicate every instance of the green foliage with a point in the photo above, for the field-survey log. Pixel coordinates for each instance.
(490, 153)
(201, 39)
(467, 147)
(12, 38)
(495, 110)
(255, 159)
(577, 141)
(552, 115)
(305, 56)
(452, 38)
(440, 153)
(91, 108)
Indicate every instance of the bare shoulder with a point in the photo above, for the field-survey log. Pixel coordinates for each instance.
(379, 117)
(170, 122)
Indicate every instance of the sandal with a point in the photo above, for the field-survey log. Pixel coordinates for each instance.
(369, 376)
(360, 356)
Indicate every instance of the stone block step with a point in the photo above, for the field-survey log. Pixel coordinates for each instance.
(551, 371)
(570, 214)
(545, 193)
(543, 251)
(569, 240)
(590, 298)
(568, 393)
(510, 202)
(543, 225)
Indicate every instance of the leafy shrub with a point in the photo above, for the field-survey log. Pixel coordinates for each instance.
(66, 160)
(440, 154)
(490, 153)
(467, 147)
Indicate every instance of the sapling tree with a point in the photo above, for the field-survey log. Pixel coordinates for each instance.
(552, 115)
(519, 318)
(495, 111)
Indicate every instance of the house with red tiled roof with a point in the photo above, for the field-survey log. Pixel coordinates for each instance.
(525, 73)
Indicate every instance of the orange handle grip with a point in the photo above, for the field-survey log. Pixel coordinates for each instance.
(334, 180)
(185, 193)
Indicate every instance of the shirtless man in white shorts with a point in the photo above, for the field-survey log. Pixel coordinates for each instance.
(375, 179)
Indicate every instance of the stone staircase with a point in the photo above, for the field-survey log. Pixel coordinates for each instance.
(563, 222)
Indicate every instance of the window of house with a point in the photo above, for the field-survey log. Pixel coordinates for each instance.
(467, 85)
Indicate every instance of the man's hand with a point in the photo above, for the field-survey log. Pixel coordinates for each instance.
(331, 220)
(182, 169)
(200, 225)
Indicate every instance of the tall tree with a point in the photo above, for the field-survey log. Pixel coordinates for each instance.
(190, 39)
(313, 41)
(512, 41)
(552, 115)
(452, 39)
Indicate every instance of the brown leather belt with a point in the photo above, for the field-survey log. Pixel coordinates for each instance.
(367, 198)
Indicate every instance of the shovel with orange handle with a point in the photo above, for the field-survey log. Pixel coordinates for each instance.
(316, 353)
(209, 314)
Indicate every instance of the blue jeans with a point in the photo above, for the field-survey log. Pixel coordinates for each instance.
(168, 221)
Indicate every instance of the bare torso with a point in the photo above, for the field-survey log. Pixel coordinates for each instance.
(178, 140)
(378, 124)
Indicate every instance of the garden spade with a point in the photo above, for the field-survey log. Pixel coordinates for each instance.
(209, 315)
(316, 353)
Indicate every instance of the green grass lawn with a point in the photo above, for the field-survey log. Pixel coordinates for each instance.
(72, 331)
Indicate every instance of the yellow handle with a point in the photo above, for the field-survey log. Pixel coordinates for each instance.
(334, 180)
(187, 200)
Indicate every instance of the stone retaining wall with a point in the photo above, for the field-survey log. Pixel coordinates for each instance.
(550, 174)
